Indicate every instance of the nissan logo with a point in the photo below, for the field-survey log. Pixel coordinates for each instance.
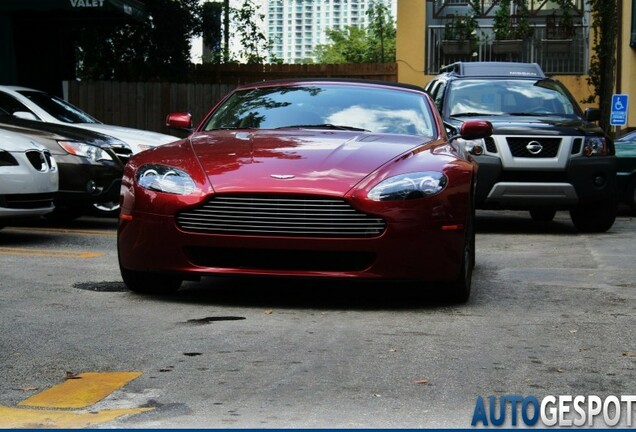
(534, 147)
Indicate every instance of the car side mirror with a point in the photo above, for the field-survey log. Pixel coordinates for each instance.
(26, 115)
(475, 129)
(179, 121)
(592, 114)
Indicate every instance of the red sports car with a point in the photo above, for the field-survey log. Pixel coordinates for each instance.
(305, 178)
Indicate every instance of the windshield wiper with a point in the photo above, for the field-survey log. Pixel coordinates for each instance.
(472, 114)
(325, 126)
(532, 114)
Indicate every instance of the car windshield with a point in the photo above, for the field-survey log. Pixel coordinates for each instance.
(58, 108)
(508, 97)
(341, 107)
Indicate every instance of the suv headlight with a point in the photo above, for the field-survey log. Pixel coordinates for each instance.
(474, 147)
(165, 179)
(595, 146)
(409, 186)
(92, 152)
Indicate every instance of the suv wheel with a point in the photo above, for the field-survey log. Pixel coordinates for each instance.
(541, 214)
(595, 218)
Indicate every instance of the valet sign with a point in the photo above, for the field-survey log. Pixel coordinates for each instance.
(618, 116)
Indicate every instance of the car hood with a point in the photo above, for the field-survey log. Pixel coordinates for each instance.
(133, 137)
(15, 142)
(329, 162)
(60, 131)
(535, 125)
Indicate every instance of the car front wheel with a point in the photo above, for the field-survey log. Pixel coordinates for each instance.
(460, 289)
(150, 282)
(595, 218)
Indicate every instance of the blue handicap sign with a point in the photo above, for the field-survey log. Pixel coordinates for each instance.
(618, 115)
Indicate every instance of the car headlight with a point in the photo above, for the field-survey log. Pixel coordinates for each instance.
(85, 150)
(409, 186)
(595, 146)
(165, 179)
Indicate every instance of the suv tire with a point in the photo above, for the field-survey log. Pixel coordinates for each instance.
(595, 218)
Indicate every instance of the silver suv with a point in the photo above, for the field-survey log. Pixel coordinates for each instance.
(545, 154)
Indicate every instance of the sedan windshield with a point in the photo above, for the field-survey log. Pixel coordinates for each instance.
(58, 108)
(509, 97)
(334, 107)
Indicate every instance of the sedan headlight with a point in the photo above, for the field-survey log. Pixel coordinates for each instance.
(92, 152)
(165, 179)
(409, 186)
(595, 146)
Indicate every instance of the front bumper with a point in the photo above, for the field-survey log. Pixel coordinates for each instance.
(583, 181)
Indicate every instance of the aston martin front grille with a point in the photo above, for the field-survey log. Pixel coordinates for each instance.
(289, 216)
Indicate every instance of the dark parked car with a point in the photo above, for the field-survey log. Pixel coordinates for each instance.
(324, 179)
(545, 154)
(90, 165)
(626, 176)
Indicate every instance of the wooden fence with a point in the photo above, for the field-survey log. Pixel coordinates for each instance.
(144, 105)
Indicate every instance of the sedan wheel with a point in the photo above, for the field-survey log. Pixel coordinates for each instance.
(106, 209)
(149, 282)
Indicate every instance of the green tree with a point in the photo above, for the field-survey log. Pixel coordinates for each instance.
(255, 47)
(602, 73)
(157, 48)
(374, 43)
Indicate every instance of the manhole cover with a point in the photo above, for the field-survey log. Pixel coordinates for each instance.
(101, 286)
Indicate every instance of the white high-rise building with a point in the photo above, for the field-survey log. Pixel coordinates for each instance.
(297, 27)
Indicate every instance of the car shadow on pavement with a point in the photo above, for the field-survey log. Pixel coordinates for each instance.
(290, 293)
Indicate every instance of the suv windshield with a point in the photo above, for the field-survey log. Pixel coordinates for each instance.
(468, 97)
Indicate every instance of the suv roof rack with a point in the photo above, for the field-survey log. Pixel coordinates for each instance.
(500, 69)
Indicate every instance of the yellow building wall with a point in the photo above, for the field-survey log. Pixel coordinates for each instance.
(411, 43)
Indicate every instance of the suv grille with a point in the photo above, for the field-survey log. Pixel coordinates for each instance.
(519, 147)
(276, 215)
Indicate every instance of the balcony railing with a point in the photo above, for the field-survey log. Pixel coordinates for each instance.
(562, 57)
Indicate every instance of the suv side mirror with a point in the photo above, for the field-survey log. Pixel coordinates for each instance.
(592, 114)
(26, 115)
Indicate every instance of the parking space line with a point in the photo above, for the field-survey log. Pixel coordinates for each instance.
(53, 253)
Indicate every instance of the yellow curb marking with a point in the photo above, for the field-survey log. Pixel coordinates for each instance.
(34, 418)
(48, 252)
(52, 407)
(82, 391)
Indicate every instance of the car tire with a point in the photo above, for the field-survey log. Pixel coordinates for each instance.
(150, 283)
(64, 214)
(595, 218)
(106, 209)
(630, 195)
(542, 214)
(460, 289)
